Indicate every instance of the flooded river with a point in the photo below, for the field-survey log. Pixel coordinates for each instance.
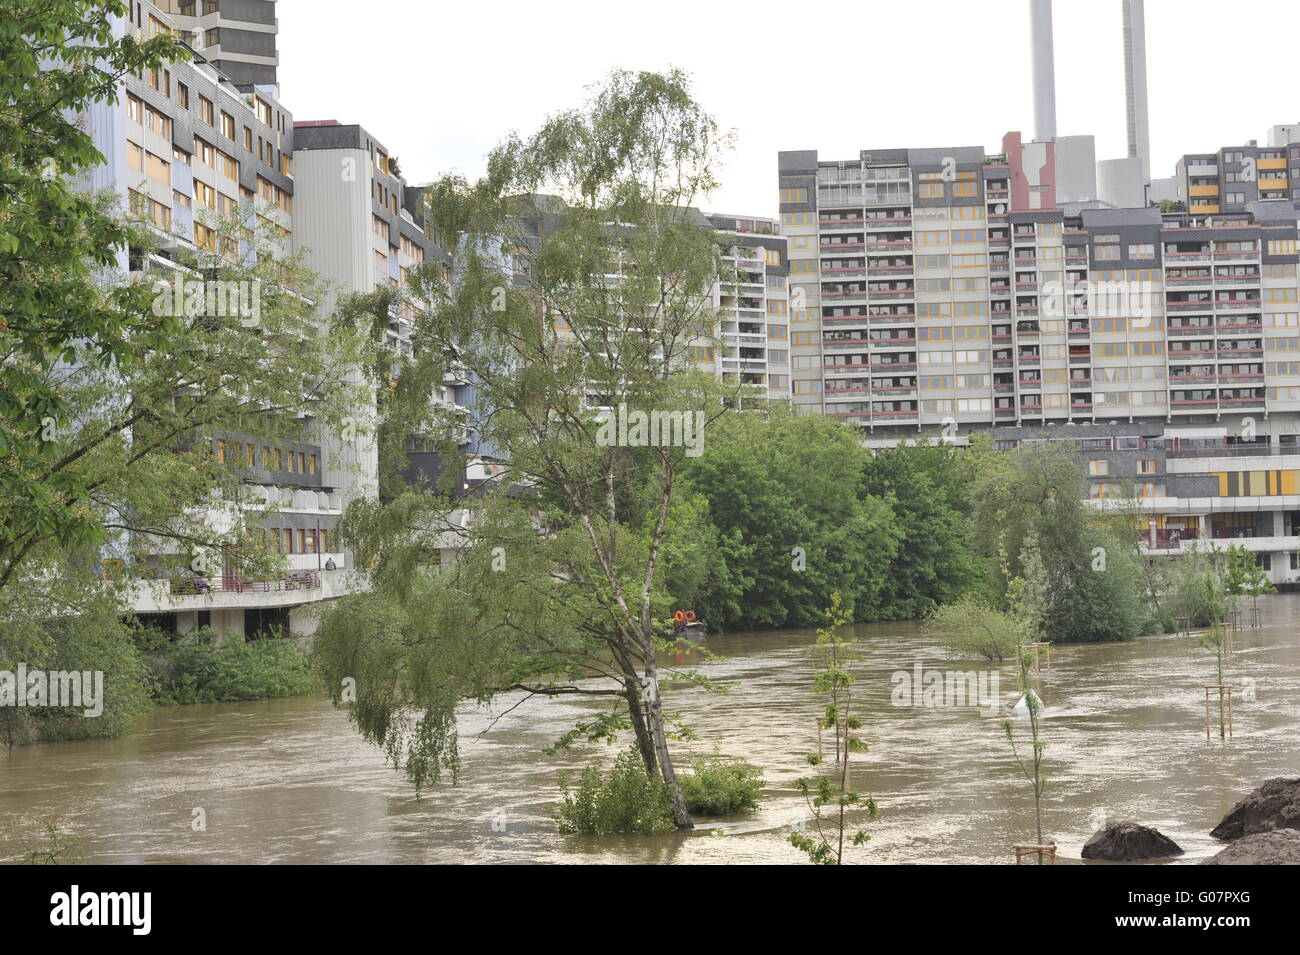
(290, 781)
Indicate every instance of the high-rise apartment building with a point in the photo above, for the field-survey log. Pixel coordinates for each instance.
(941, 291)
(186, 148)
(238, 37)
(361, 227)
(1233, 178)
(753, 302)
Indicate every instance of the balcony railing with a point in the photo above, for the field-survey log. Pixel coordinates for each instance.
(232, 584)
(1167, 538)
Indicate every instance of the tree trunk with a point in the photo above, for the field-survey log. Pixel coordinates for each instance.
(644, 739)
(655, 716)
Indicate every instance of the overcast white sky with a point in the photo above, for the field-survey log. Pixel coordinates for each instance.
(441, 81)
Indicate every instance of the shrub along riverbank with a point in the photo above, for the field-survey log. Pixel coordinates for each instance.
(144, 668)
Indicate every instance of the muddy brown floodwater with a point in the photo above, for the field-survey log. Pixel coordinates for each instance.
(290, 781)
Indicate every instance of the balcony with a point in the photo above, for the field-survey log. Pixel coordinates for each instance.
(1167, 538)
(231, 584)
(1229, 450)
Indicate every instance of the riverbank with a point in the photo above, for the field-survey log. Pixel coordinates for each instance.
(289, 780)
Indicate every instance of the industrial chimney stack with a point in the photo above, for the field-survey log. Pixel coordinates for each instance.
(1135, 84)
(1040, 26)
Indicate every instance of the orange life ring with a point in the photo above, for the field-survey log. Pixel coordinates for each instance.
(690, 616)
(679, 616)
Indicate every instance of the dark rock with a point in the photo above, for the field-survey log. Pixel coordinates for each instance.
(1128, 842)
(1274, 805)
(1277, 847)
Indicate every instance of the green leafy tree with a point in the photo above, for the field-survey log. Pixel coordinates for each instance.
(581, 281)
(830, 798)
(57, 244)
(971, 628)
(1092, 575)
(936, 562)
(793, 525)
(1244, 577)
(1028, 596)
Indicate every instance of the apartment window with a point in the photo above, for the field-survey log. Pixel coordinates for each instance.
(227, 125)
(311, 464)
(1148, 466)
(794, 195)
(205, 194)
(228, 166)
(1143, 250)
(324, 541)
(204, 237)
(135, 156)
(206, 112)
(158, 169)
(293, 468)
(264, 112)
(1098, 467)
(183, 95)
(279, 459)
(205, 152)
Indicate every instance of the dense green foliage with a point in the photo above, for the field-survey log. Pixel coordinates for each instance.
(799, 509)
(624, 799)
(1033, 501)
(56, 241)
(792, 524)
(203, 668)
(935, 561)
(96, 639)
(971, 628)
(717, 786)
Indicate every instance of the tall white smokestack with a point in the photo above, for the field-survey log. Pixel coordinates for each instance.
(1040, 28)
(1135, 84)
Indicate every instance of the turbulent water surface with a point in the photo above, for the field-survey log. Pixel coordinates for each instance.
(290, 781)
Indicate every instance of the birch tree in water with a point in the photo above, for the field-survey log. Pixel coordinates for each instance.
(581, 281)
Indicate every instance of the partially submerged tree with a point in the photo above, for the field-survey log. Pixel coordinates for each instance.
(1091, 572)
(582, 282)
(831, 800)
(971, 628)
(1027, 596)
